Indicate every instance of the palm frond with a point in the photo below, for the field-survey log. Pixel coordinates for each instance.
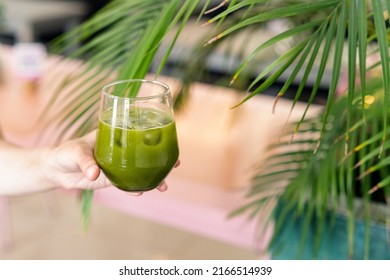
(380, 27)
(313, 181)
(362, 37)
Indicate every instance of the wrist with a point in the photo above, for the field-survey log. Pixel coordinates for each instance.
(24, 170)
(45, 163)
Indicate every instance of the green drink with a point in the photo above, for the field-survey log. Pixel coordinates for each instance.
(136, 144)
(139, 156)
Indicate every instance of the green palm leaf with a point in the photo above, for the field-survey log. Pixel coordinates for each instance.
(320, 178)
(384, 52)
(277, 13)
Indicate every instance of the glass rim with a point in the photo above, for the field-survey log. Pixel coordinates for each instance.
(155, 82)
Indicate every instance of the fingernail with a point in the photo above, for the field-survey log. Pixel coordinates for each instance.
(91, 172)
(163, 187)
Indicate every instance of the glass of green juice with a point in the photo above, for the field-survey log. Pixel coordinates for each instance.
(136, 142)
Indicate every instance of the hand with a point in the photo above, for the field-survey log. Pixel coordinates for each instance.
(74, 166)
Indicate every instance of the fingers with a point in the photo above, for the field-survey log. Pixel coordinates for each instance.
(162, 187)
(177, 163)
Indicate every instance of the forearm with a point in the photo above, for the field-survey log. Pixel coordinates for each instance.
(23, 170)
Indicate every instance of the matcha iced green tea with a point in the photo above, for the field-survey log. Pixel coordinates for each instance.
(136, 149)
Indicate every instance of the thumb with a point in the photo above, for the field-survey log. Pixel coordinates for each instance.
(88, 164)
(90, 139)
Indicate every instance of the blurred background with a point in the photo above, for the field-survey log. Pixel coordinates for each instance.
(218, 149)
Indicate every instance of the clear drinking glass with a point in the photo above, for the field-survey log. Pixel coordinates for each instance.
(136, 142)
